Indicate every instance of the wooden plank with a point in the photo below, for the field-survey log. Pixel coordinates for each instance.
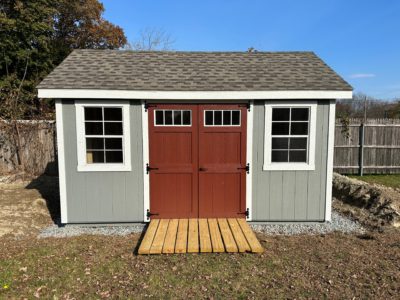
(193, 237)
(229, 241)
(205, 241)
(250, 236)
(243, 245)
(216, 240)
(181, 238)
(158, 242)
(170, 237)
(148, 238)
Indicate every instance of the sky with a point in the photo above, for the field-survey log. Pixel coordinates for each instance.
(360, 40)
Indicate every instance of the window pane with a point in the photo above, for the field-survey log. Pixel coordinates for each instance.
(280, 114)
(298, 143)
(280, 143)
(298, 156)
(94, 143)
(159, 117)
(280, 128)
(93, 128)
(94, 157)
(93, 114)
(236, 117)
(114, 143)
(186, 117)
(177, 117)
(299, 114)
(111, 128)
(218, 117)
(227, 117)
(279, 156)
(113, 114)
(209, 117)
(114, 157)
(168, 117)
(300, 128)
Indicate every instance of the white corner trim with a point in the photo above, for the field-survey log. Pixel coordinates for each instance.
(81, 143)
(249, 159)
(146, 177)
(310, 165)
(329, 163)
(61, 161)
(190, 95)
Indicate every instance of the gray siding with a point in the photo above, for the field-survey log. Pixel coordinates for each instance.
(96, 197)
(290, 195)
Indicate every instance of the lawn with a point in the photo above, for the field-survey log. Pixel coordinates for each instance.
(392, 180)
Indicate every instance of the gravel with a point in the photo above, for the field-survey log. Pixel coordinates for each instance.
(338, 223)
(76, 230)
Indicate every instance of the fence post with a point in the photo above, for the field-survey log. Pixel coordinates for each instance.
(361, 152)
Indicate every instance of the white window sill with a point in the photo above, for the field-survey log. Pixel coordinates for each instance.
(104, 168)
(288, 167)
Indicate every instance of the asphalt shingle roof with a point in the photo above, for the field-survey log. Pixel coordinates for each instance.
(193, 71)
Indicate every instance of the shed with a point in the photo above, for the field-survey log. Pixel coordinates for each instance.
(145, 135)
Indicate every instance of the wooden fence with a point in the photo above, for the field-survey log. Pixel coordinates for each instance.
(377, 153)
(370, 148)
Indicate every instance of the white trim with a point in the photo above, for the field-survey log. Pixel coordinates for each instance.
(249, 159)
(329, 163)
(81, 144)
(61, 161)
(270, 166)
(146, 177)
(222, 119)
(173, 120)
(191, 95)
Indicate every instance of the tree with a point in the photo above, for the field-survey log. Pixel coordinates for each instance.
(152, 39)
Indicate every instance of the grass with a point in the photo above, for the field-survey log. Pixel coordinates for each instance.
(328, 266)
(392, 180)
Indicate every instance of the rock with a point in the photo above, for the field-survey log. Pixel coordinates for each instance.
(40, 202)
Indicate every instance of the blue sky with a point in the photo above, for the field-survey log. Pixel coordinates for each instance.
(359, 39)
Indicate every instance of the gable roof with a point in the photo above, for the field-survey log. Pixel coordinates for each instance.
(193, 71)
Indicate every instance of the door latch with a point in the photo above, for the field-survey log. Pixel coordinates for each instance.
(148, 168)
(247, 168)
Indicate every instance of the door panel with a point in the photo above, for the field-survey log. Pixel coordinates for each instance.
(222, 157)
(173, 154)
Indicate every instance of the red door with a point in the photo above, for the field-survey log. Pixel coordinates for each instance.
(198, 160)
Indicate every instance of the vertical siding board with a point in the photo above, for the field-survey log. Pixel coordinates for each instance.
(323, 164)
(301, 192)
(276, 193)
(288, 196)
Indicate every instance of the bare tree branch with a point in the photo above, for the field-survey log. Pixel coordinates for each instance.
(152, 39)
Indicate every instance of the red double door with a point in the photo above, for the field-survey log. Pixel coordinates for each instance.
(197, 161)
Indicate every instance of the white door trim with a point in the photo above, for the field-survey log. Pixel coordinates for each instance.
(146, 177)
(329, 163)
(249, 159)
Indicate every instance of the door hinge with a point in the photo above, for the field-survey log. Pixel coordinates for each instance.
(147, 105)
(246, 213)
(148, 168)
(248, 106)
(149, 214)
(247, 168)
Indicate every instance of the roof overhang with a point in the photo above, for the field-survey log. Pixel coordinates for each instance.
(190, 95)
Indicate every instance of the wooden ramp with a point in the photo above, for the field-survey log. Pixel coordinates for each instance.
(199, 236)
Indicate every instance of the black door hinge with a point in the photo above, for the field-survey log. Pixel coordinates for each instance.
(149, 214)
(246, 213)
(247, 168)
(248, 106)
(148, 168)
(147, 105)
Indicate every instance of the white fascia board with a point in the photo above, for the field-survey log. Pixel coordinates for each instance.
(190, 95)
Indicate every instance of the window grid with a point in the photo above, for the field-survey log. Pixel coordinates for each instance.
(104, 136)
(231, 124)
(173, 119)
(290, 136)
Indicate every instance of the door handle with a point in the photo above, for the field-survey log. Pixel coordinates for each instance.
(202, 169)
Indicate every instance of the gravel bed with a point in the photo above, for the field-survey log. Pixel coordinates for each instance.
(75, 230)
(338, 223)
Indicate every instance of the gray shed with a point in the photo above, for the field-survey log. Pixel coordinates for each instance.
(145, 135)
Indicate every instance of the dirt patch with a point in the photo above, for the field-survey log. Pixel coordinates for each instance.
(27, 207)
(374, 206)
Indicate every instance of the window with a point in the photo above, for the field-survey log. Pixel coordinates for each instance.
(103, 136)
(222, 117)
(168, 117)
(289, 136)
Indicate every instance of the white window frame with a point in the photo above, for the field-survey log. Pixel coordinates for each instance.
(222, 120)
(289, 166)
(173, 120)
(83, 166)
